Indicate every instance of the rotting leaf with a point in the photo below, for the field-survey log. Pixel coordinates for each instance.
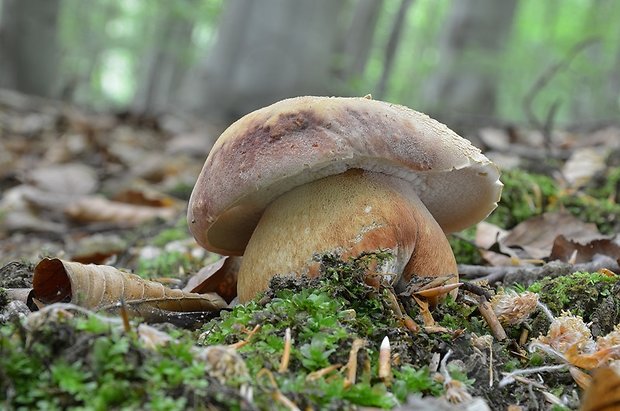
(98, 286)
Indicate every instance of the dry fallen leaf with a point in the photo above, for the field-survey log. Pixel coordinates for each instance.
(564, 249)
(582, 165)
(603, 394)
(70, 178)
(536, 235)
(99, 209)
(219, 277)
(97, 286)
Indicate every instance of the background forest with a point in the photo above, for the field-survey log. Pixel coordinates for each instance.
(467, 62)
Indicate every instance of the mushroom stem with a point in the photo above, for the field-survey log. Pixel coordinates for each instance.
(347, 214)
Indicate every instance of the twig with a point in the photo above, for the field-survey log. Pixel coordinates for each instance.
(352, 364)
(315, 375)
(552, 269)
(489, 315)
(242, 343)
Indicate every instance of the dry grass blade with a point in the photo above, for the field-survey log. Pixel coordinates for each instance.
(98, 286)
(286, 354)
(352, 363)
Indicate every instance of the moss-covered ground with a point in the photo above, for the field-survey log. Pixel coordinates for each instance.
(83, 361)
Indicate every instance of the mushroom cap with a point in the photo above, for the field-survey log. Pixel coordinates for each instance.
(294, 141)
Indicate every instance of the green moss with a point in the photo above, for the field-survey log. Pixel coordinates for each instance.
(325, 316)
(524, 195)
(464, 248)
(168, 235)
(87, 364)
(527, 195)
(580, 292)
(166, 264)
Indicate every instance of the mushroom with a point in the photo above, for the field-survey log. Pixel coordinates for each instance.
(313, 175)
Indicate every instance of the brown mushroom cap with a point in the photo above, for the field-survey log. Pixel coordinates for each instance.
(274, 149)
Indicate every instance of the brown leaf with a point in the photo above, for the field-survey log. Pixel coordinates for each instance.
(99, 209)
(563, 249)
(219, 277)
(536, 235)
(97, 286)
(604, 391)
(145, 197)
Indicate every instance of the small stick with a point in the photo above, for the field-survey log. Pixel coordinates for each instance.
(125, 317)
(242, 343)
(277, 395)
(286, 355)
(352, 364)
(385, 364)
(491, 364)
(489, 315)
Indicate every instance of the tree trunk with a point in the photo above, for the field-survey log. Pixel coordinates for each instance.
(392, 45)
(463, 89)
(265, 50)
(359, 37)
(163, 66)
(29, 47)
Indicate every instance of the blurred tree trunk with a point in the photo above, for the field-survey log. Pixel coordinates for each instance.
(463, 90)
(392, 45)
(265, 50)
(358, 39)
(29, 47)
(162, 69)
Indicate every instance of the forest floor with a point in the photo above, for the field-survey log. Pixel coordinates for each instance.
(534, 325)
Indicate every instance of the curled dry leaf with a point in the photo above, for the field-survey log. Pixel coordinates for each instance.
(99, 209)
(219, 277)
(98, 286)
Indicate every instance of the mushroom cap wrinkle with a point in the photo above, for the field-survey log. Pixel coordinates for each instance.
(295, 141)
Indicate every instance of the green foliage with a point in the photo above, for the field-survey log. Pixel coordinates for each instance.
(464, 248)
(525, 195)
(409, 379)
(167, 263)
(84, 363)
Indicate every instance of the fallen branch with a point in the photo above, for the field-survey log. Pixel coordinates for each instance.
(528, 275)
